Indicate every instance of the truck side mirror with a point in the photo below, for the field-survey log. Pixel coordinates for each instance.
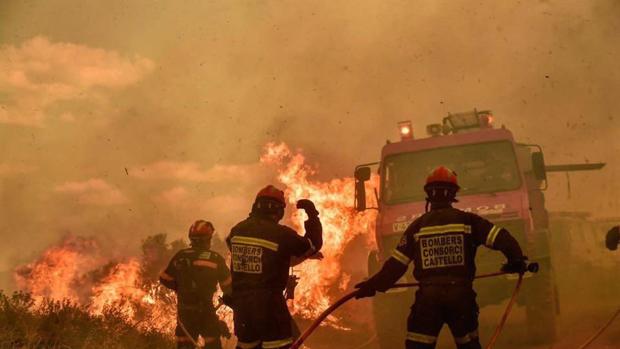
(362, 174)
(538, 166)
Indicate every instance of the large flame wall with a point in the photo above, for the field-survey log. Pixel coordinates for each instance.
(76, 269)
(320, 280)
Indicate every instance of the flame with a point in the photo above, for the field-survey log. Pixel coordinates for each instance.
(321, 281)
(77, 270)
(118, 286)
(74, 270)
(58, 271)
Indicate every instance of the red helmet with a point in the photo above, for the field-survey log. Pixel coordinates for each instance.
(271, 192)
(201, 228)
(442, 175)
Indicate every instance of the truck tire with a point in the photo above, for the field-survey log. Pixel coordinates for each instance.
(389, 312)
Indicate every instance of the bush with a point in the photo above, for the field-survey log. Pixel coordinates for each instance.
(26, 323)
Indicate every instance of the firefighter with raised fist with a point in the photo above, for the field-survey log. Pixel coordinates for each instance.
(442, 244)
(262, 250)
(194, 273)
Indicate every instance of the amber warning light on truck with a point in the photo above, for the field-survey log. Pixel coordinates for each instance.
(405, 129)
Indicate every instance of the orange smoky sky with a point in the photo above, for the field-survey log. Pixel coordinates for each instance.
(121, 119)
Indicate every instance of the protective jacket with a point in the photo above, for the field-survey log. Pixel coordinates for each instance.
(442, 244)
(194, 275)
(261, 252)
(262, 249)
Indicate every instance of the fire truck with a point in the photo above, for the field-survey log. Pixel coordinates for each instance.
(501, 179)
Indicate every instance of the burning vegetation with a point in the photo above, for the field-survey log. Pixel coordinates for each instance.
(75, 271)
(72, 296)
(75, 276)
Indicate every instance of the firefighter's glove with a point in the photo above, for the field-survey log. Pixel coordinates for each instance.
(517, 266)
(227, 299)
(224, 330)
(365, 289)
(308, 206)
(613, 238)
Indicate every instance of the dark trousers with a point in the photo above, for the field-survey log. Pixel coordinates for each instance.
(262, 320)
(439, 304)
(198, 321)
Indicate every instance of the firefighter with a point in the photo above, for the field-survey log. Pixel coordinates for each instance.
(613, 238)
(442, 245)
(194, 273)
(262, 251)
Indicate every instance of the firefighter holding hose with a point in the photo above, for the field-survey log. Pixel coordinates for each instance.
(262, 251)
(442, 245)
(194, 273)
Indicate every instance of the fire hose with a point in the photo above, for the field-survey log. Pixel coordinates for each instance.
(532, 267)
(601, 330)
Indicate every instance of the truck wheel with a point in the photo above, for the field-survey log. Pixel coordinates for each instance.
(389, 311)
(541, 305)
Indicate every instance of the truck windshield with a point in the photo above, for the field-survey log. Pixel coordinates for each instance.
(481, 168)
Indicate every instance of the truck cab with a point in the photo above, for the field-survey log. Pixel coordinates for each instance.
(500, 179)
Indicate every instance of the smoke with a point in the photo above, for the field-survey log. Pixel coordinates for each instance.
(204, 85)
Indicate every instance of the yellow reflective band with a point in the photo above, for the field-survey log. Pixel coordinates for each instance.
(421, 338)
(255, 242)
(166, 276)
(203, 263)
(248, 345)
(277, 344)
(466, 338)
(492, 235)
(442, 229)
(456, 227)
(399, 256)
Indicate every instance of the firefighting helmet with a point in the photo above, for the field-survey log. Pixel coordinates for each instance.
(270, 201)
(442, 176)
(271, 195)
(441, 185)
(201, 229)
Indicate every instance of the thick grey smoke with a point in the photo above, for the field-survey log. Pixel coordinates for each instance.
(95, 94)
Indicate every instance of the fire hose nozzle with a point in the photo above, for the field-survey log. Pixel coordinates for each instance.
(533, 267)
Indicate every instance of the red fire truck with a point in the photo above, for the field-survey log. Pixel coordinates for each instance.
(500, 178)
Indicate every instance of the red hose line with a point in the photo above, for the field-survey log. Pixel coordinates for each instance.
(601, 330)
(502, 322)
(316, 323)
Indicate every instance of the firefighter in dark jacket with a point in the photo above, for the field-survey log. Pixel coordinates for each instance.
(261, 252)
(442, 245)
(194, 273)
